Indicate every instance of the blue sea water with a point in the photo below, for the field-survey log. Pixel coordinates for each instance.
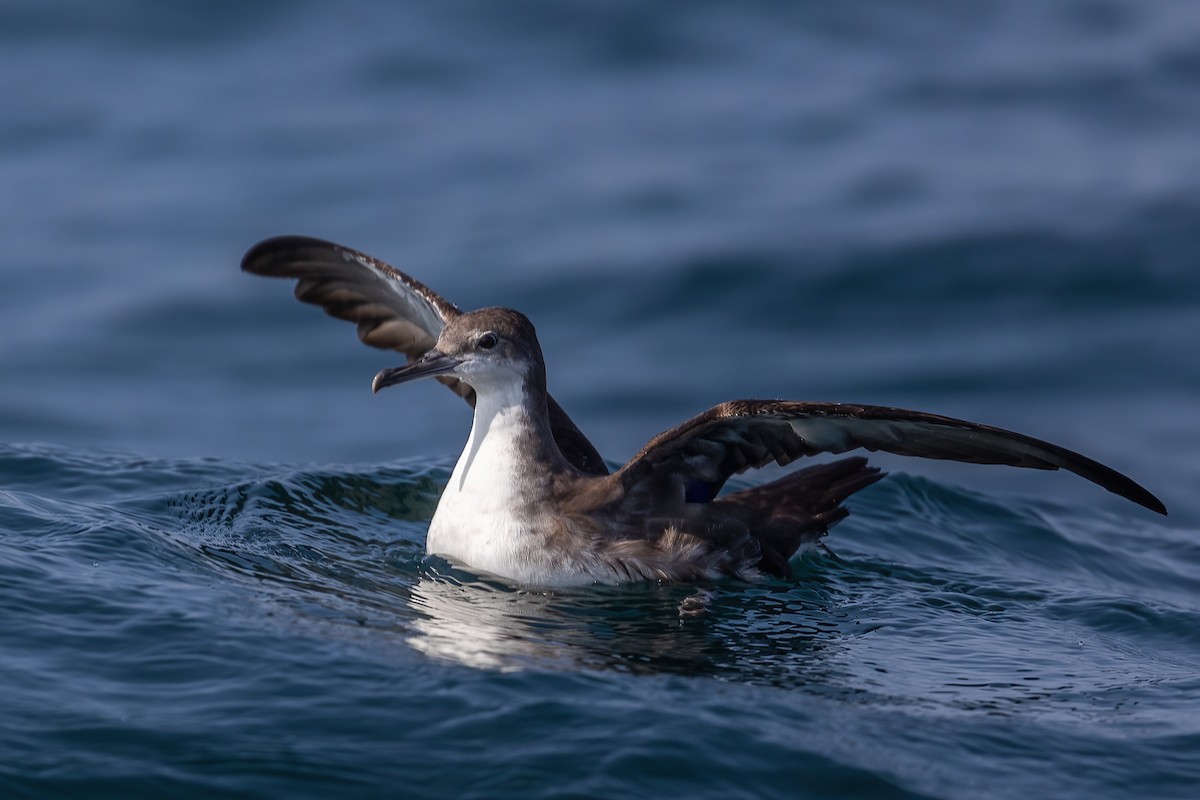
(212, 571)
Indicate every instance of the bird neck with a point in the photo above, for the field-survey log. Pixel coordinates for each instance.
(510, 436)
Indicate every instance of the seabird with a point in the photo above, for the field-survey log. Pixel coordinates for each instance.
(531, 500)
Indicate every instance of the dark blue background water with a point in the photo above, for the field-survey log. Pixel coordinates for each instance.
(211, 534)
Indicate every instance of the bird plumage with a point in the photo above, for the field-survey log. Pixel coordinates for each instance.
(531, 500)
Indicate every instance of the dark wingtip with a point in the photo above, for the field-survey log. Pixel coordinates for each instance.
(265, 257)
(1133, 491)
(1151, 502)
(1124, 486)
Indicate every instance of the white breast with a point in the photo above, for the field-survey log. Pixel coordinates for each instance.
(488, 515)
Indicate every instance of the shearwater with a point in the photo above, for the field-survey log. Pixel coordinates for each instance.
(531, 500)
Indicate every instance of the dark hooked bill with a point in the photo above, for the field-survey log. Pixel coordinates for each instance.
(427, 366)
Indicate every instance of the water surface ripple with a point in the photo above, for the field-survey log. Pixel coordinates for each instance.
(212, 571)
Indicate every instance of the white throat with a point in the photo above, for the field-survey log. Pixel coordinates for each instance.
(485, 517)
(500, 420)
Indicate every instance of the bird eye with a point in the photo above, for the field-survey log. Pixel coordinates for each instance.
(488, 340)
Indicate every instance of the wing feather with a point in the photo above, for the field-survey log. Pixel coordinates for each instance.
(697, 457)
(392, 311)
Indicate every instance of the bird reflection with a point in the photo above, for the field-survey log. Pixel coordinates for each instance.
(763, 632)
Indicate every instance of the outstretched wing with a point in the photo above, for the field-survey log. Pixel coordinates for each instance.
(692, 461)
(392, 310)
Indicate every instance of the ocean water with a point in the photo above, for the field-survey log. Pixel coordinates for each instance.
(212, 570)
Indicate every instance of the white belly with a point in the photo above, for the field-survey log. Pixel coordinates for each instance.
(487, 517)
